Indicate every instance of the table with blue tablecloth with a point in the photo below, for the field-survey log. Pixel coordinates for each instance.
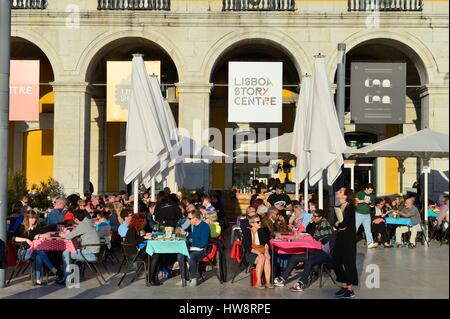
(399, 221)
(166, 247)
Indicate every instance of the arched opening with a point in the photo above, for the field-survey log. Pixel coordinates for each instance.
(32, 142)
(108, 137)
(388, 50)
(250, 50)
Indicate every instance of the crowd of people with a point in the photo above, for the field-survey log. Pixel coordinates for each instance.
(110, 220)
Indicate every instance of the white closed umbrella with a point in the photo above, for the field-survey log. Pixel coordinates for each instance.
(324, 141)
(298, 138)
(144, 140)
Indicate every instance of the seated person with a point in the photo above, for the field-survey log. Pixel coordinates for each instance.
(409, 211)
(125, 215)
(211, 220)
(256, 244)
(245, 223)
(135, 236)
(58, 213)
(85, 230)
(379, 224)
(281, 201)
(184, 222)
(26, 233)
(198, 239)
(20, 209)
(442, 219)
(103, 227)
(296, 220)
(274, 222)
(320, 229)
(166, 213)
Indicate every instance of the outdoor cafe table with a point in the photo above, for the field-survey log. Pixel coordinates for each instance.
(54, 244)
(167, 247)
(287, 245)
(399, 221)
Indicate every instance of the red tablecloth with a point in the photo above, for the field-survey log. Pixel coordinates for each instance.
(54, 244)
(295, 246)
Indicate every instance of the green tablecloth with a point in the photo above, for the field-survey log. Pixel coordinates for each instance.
(167, 247)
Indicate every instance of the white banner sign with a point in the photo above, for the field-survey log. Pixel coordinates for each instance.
(255, 92)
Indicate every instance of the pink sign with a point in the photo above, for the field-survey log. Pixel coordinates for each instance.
(24, 91)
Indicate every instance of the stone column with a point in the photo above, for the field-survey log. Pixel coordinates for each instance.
(97, 149)
(72, 135)
(435, 116)
(194, 118)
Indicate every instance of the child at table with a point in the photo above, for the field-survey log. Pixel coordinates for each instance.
(28, 231)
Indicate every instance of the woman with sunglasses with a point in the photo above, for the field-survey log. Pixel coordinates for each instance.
(256, 245)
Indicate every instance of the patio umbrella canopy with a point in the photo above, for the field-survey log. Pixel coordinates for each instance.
(425, 144)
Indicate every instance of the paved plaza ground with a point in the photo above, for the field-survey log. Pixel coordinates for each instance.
(404, 273)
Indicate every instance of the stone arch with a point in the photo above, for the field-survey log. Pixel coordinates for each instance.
(272, 38)
(90, 55)
(44, 46)
(411, 46)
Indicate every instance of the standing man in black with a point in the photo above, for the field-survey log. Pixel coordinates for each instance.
(281, 201)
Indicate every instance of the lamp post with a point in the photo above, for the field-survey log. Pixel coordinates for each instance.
(340, 90)
(5, 54)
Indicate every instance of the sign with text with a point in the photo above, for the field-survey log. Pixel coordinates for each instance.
(378, 93)
(24, 90)
(118, 81)
(255, 92)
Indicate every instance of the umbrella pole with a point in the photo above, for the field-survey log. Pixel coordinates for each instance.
(306, 194)
(297, 186)
(135, 195)
(425, 196)
(153, 190)
(321, 194)
(401, 171)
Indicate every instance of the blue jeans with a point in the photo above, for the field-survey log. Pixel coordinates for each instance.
(194, 259)
(366, 221)
(292, 262)
(315, 258)
(40, 258)
(68, 257)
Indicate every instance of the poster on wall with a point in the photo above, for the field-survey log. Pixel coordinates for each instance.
(255, 92)
(24, 90)
(118, 81)
(378, 93)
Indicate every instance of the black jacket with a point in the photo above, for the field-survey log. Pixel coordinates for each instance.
(247, 238)
(168, 215)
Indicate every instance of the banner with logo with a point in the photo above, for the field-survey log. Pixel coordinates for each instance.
(118, 80)
(255, 92)
(24, 90)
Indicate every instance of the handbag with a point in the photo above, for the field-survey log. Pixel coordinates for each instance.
(23, 254)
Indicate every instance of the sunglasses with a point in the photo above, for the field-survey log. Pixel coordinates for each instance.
(316, 216)
(258, 222)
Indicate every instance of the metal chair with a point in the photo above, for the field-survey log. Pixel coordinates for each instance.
(92, 265)
(128, 262)
(211, 258)
(21, 265)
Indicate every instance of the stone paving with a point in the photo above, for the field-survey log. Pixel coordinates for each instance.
(404, 273)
